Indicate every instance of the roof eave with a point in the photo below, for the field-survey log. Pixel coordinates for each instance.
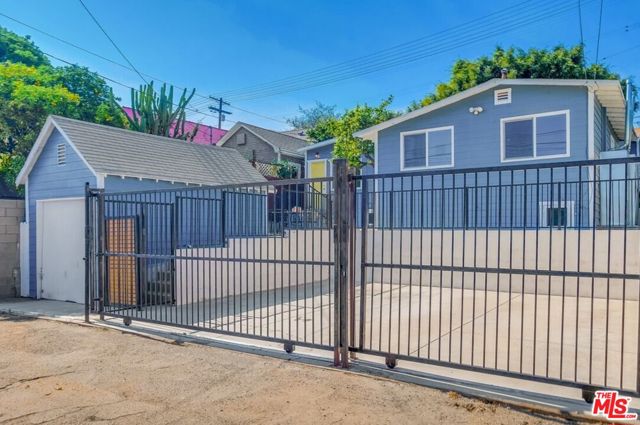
(370, 132)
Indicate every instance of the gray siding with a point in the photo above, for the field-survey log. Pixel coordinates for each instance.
(48, 180)
(477, 137)
(326, 152)
(263, 151)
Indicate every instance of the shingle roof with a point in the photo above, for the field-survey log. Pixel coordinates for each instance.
(289, 144)
(117, 151)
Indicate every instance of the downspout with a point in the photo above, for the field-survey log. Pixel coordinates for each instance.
(628, 127)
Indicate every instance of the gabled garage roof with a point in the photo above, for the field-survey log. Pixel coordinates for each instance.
(118, 152)
(608, 92)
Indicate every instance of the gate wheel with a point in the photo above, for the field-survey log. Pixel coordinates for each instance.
(391, 362)
(127, 321)
(589, 393)
(289, 347)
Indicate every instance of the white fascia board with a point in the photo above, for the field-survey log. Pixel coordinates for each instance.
(38, 147)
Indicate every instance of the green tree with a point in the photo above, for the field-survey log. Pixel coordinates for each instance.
(95, 95)
(357, 151)
(14, 48)
(10, 166)
(31, 89)
(156, 113)
(559, 62)
(309, 118)
(27, 96)
(285, 169)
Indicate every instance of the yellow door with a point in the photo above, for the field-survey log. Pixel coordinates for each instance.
(317, 169)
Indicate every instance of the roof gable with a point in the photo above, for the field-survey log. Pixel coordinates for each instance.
(609, 92)
(113, 151)
(280, 142)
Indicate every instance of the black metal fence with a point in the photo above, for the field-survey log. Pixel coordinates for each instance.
(527, 271)
(252, 260)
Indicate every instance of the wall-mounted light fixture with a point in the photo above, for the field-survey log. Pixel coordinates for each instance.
(317, 155)
(475, 110)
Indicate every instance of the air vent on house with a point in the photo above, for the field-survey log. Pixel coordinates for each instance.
(62, 154)
(502, 96)
(242, 138)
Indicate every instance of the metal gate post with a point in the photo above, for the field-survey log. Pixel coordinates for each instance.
(341, 258)
(87, 251)
(100, 253)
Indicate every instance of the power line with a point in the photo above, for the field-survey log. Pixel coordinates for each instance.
(598, 43)
(203, 102)
(402, 56)
(111, 40)
(123, 84)
(619, 52)
(584, 61)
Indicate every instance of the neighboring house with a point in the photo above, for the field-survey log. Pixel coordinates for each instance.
(263, 146)
(206, 135)
(69, 154)
(501, 122)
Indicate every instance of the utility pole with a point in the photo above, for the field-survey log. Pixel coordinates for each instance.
(219, 109)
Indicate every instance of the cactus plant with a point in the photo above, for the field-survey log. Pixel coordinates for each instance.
(155, 113)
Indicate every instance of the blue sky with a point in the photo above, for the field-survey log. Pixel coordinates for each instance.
(216, 46)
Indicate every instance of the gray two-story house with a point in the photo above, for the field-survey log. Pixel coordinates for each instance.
(437, 159)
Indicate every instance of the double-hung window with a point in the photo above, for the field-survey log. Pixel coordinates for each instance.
(430, 148)
(535, 136)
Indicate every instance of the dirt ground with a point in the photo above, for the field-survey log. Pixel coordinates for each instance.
(65, 373)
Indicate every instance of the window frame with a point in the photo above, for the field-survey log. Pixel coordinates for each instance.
(544, 206)
(534, 118)
(426, 132)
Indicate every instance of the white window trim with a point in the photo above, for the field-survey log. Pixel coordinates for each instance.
(426, 132)
(496, 101)
(544, 205)
(534, 117)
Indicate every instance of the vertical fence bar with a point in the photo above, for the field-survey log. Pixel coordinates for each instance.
(340, 237)
(87, 251)
(364, 207)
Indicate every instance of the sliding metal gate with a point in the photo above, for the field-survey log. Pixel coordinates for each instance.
(525, 271)
(252, 260)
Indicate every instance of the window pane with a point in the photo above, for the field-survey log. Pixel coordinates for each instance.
(557, 217)
(415, 150)
(439, 148)
(551, 135)
(518, 139)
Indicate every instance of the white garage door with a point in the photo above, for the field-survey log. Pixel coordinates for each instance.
(60, 226)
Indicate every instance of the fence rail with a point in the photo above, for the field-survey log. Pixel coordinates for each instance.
(527, 271)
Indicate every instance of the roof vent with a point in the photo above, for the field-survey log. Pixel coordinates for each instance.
(62, 154)
(502, 96)
(503, 73)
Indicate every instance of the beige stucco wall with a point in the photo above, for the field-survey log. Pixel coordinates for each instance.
(207, 273)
